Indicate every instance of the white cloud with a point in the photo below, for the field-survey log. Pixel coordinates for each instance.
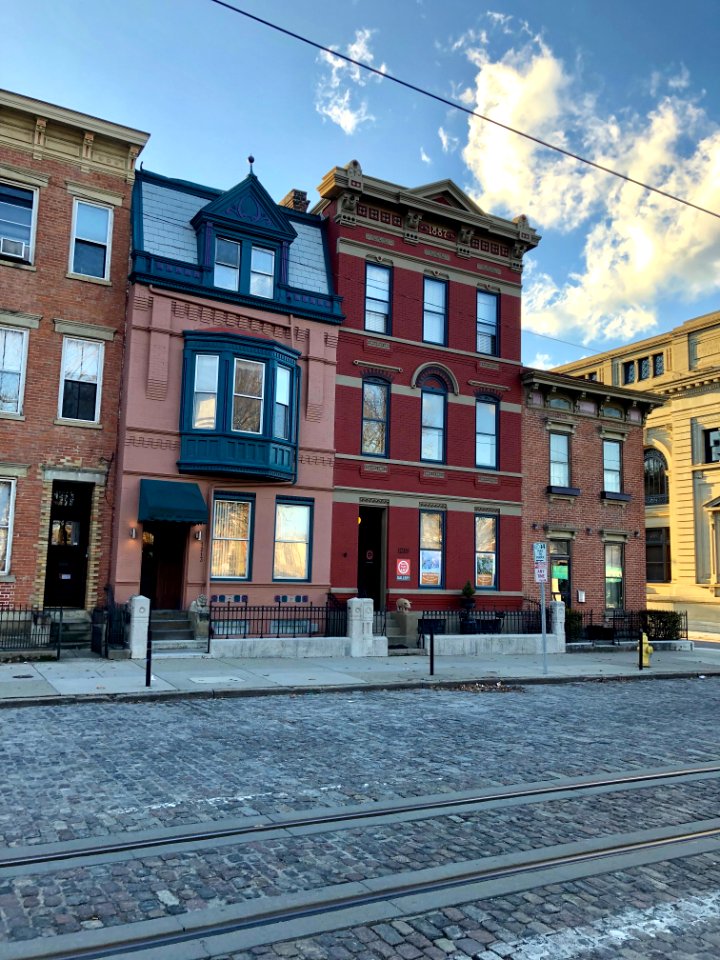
(449, 143)
(638, 246)
(335, 96)
(542, 361)
(424, 157)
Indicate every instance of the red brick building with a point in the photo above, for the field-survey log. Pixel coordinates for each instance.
(428, 476)
(65, 186)
(583, 490)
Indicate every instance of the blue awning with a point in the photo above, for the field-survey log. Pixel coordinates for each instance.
(179, 502)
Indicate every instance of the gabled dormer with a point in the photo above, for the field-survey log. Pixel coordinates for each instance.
(243, 240)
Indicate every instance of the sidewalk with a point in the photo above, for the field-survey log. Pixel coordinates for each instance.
(77, 679)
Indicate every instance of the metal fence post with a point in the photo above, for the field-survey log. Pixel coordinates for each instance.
(148, 656)
(60, 630)
(432, 651)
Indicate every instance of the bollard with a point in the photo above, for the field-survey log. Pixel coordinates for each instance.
(432, 651)
(148, 658)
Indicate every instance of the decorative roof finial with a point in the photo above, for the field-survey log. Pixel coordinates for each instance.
(251, 161)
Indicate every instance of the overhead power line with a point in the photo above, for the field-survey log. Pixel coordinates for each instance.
(458, 106)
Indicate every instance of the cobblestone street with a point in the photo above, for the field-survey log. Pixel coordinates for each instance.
(93, 770)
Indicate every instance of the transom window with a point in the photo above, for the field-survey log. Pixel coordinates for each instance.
(16, 222)
(435, 311)
(90, 249)
(486, 433)
(375, 396)
(432, 541)
(487, 322)
(485, 552)
(377, 298)
(81, 379)
(293, 528)
(13, 351)
(231, 538)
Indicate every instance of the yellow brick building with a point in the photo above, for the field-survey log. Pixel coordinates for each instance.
(682, 460)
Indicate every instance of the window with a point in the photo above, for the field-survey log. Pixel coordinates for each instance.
(90, 250)
(559, 403)
(293, 525)
(612, 466)
(644, 368)
(592, 375)
(205, 393)
(81, 380)
(614, 412)
(377, 298)
(434, 311)
(487, 317)
(628, 371)
(227, 264)
(712, 446)
(657, 555)
(375, 395)
(614, 577)
(231, 538)
(656, 485)
(432, 445)
(281, 418)
(658, 364)
(559, 460)
(559, 563)
(432, 531)
(17, 209)
(248, 390)
(7, 504)
(13, 349)
(486, 433)
(485, 552)
(262, 273)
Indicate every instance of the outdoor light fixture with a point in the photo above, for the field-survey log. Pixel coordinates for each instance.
(133, 533)
(198, 533)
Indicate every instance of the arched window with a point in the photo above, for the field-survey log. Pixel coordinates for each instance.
(656, 486)
(433, 411)
(559, 403)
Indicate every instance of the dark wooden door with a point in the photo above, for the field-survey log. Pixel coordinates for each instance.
(163, 564)
(68, 538)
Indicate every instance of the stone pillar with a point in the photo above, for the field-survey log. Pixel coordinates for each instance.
(139, 624)
(360, 626)
(557, 608)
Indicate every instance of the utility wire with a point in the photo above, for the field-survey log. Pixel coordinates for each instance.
(459, 106)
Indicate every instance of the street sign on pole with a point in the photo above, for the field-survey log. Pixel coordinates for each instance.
(541, 573)
(539, 552)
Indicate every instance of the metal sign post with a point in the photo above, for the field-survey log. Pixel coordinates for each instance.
(540, 558)
(544, 628)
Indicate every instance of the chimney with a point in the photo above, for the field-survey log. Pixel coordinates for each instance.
(297, 200)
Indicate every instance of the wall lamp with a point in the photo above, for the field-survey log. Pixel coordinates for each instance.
(133, 533)
(198, 533)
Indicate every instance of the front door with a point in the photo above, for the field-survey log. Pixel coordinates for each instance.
(559, 557)
(163, 564)
(371, 555)
(68, 538)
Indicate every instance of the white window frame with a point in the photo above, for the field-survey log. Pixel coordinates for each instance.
(20, 185)
(5, 569)
(73, 237)
(98, 392)
(23, 367)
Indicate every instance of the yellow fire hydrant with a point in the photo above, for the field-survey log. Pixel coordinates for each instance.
(646, 650)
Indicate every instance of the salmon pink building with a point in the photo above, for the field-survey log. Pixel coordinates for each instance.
(225, 458)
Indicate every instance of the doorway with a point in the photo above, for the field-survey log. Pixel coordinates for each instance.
(371, 555)
(68, 539)
(163, 564)
(559, 551)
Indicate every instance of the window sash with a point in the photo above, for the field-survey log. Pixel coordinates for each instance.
(13, 348)
(377, 298)
(559, 460)
(291, 553)
(486, 324)
(92, 231)
(432, 548)
(262, 272)
(281, 413)
(232, 520)
(485, 551)
(612, 466)
(7, 509)
(205, 392)
(226, 273)
(614, 576)
(485, 434)
(434, 311)
(16, 213)
(81, 380)
(374, 419)
(248, 397)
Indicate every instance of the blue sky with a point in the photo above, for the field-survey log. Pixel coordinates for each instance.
(629, 83)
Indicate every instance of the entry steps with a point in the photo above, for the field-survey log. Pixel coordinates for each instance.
(398, 644)
(172, 631)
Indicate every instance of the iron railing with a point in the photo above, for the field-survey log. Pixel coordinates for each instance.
(279, 620)
(482, 621)
(27, 628)
(380, 622)
(624, 626)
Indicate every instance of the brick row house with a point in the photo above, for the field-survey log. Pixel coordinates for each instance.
(428, 469)
(65, 191)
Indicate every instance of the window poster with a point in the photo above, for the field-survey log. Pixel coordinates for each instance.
(430, 568)
(485, 569)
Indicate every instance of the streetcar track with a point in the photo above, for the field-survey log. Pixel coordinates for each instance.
(75, 853)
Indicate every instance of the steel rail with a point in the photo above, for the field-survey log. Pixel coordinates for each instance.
(333, 819)
(391, 893)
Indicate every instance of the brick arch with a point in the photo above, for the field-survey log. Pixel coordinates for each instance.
(438, 370)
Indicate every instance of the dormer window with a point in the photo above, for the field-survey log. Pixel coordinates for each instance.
(227, 264)
(262, 272)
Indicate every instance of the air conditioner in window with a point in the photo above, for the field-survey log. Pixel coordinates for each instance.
(14, 248)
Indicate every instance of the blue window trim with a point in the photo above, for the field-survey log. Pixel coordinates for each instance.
(444, 341)
(431, 586)
(485, 398)
(378, 381)
(496, 298)
(443, 393)
(388, 330)
(496, 519)
(297, 502)
(243, 498)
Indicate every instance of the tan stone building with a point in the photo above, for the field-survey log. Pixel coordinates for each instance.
(682, 460)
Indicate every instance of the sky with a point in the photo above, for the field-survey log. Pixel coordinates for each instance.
(630, 84)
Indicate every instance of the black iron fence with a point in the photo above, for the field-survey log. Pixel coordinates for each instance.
(625, 626)
(279, 620)
(110, 628)
(483, 621)
(380, 622)
(27, 628)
